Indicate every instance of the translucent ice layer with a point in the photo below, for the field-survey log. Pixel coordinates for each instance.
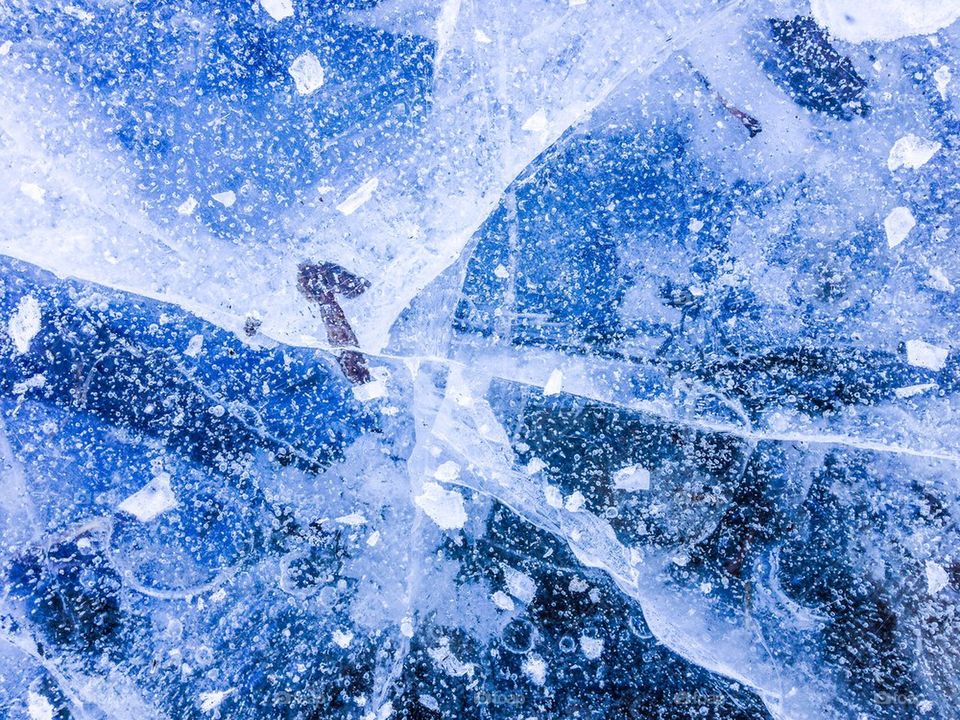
(543, 359)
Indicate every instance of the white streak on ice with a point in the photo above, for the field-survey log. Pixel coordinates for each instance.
(358, 197)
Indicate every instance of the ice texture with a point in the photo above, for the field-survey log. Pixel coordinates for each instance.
(405, 359)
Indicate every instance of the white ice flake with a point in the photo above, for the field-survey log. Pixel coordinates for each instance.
(502, 600)
(188, 206)
(33, 191)
(871, 20)
(937, 578)
(210, 701)
(444, 507)
(535, 668)
(342, 638)
(307, 73)
(591, 647)
(24, 324)
(38, 707)
(152, 500)
(226, 198)
(537, 123)
(554, 383)
(278, 9)
(632, 478)
(942, 77)
(898, 224)
(194, 347)
(922, 354)
(520, 585)
(911, 151)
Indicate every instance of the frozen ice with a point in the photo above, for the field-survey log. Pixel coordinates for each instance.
(866, 20)
(431, 359)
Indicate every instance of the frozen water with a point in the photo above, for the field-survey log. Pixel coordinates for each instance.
(544, 359)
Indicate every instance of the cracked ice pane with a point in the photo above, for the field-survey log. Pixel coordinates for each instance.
(548, 359)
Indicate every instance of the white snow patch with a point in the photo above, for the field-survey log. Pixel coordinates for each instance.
(554, 383)
(359, 196)
(210, 701)
(942, 77)
(501, 272)
(937, 578)
(695, 225)
(535, 668)
(226, 198)
(153, 499)
(187, 206)
(38, 707)
(898, 225)
(911, 151)
(194, 346)
(33, 191)
(591, 647)
(353, 519)
(6, 47)
(374, 538)
(632, 478)
(307, 73)
(911, 390)
(923, 354)
(24, 324)
(520, 585)
(278, 9)
(866, 20)
(343, 639)
(444, 507)
(481, 37)
(502, 600)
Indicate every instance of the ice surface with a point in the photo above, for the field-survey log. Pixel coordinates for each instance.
(543, 359)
